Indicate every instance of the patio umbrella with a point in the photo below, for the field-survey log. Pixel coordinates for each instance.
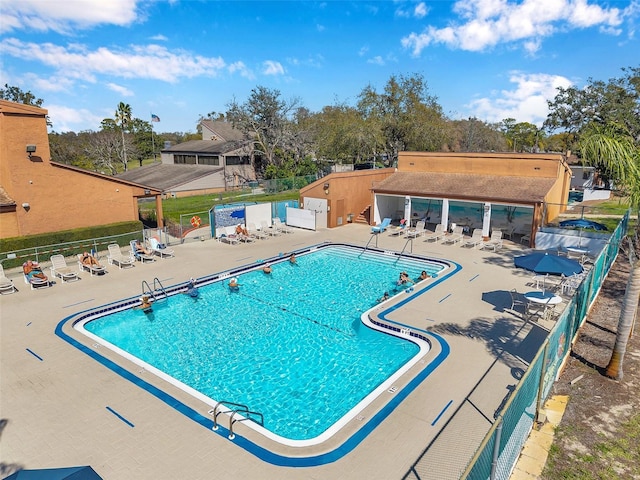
(583, 223)
(544, 263)
(67, 473)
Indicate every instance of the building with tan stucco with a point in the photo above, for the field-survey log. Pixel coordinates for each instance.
(40, 196)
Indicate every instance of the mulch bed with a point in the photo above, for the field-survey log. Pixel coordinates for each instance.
(599, 406)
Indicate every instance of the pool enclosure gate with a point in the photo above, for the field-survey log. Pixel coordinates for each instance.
(499, 451)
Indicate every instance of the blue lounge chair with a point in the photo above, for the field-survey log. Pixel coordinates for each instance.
(381, 227)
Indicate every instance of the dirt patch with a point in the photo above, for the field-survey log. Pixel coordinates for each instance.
(599, 436)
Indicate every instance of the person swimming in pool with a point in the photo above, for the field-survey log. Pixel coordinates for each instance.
(423, 276)
(145, 304)
(267, 269)
(234, 285)
(384, 297)
(404, 279)
(292, 259)
(192, 290)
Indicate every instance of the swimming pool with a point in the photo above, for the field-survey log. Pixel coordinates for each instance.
(290, 345)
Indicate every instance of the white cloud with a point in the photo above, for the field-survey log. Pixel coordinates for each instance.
(124, 91)
(159, 38)
(486, 23)
(420, 10)
(320, 28)
(137, 61)
(377, 60)
(242, 69)
(272, 67)
(527, 102)
(363, 51)
(67, 119)
(66, 16)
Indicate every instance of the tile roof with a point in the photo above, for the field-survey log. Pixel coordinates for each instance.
(164, 176)
(225, 130)
(525, 190)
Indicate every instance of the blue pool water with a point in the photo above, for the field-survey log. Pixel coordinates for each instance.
(289, 345)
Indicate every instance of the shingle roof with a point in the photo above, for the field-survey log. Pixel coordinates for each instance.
(224, 130)
(5, 199)
(164, 176)
(525, 190)
(205, 146)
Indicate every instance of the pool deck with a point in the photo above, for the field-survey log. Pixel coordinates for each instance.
(60, 407)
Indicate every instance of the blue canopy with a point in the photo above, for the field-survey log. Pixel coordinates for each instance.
(544, 263)
(583, 223)
(67, 473)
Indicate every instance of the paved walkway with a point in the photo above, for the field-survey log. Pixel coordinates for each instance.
(63, 408)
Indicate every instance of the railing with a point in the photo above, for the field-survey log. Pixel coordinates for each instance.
(234, 408)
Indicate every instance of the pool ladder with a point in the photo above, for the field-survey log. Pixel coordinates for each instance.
(157, 289)
(234, 408)
(373, 235)
(409, 241)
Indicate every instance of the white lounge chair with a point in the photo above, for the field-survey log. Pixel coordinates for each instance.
(60, 269)
(474, 240)
(227, 235)
(437, 234)
(160, 249)
(494, 242)
(418, 231)
(6, 285)
(456, 236)
(268, 230)
(255, 233)
(139, 255)
(116, 257)
(92, 269)
(33, 281)
(283, 227)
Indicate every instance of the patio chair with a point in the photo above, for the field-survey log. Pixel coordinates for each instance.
(60, 269)
(399, 230)
(6, 285)
(517, 300)
(160, 249)
(382, 226)
(228, 235)
(274, 232)
(33, 275)
(418, 231)
(255, 233)
(138, 254)
(437, 234)
(115, 257)
(474, 240)
(494, 242)
(283, 227)
(456, 236)
(92, 268)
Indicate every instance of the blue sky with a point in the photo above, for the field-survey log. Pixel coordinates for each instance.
(178, 59)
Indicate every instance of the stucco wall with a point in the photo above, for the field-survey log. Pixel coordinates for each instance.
(508, 164)
(348, 192)
(59, 197)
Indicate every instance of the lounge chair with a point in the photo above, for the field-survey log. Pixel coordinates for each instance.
(382, 226)
(418, 231)
(456, 236)
(116, 257)
(283, 227)
(399, 230)
(255, 233)
(269, 230)
(494, 242)
(228, 235)
(92, 269)
(474, 240)
(30, 270)
(60, 269)
(437, 234)
(160, 249)
(138, 255)
(6, 285)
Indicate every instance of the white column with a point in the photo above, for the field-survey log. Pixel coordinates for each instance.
(486, 220)
(407, 208)
(445, 213)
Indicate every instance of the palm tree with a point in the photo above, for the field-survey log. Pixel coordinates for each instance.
(612, 149)
(123, 118)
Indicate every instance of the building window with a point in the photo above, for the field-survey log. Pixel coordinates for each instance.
(208, 160)
(184, 159)
(237, 160)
